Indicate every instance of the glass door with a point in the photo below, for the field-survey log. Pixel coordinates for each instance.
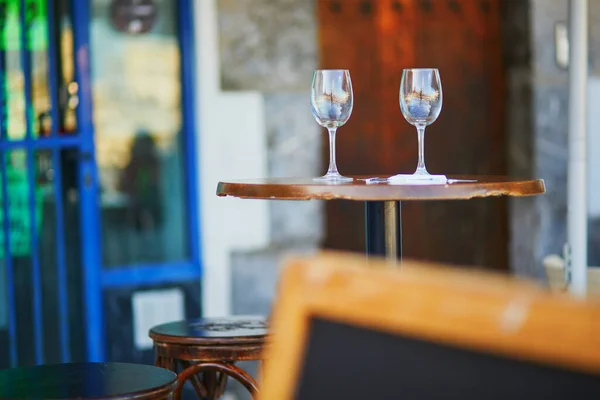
(142, 85)
(136, 85)
(47, 187)
(98, 184)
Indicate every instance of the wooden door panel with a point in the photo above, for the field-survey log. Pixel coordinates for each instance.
(376, 39)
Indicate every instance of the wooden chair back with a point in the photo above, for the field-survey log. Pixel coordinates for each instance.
(343, 327)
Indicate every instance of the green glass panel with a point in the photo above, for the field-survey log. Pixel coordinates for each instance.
(37, 44)
(18, 206)
(36, 19)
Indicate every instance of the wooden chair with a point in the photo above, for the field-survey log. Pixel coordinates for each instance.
(346, 328)
(204, 352)
(88, 381)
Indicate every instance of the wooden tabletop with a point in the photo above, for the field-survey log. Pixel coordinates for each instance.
(306, 189)
(87, 381)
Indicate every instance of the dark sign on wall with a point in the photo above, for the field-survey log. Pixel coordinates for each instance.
(133, 16)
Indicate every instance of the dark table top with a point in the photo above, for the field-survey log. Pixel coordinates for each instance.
(306, 189)
(246, 329)
(87, 381)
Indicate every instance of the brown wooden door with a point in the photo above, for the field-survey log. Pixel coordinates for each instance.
(376, 39)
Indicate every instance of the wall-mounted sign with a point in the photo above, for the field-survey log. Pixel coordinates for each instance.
(133, 16)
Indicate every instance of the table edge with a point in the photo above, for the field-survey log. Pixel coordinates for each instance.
(527, 188)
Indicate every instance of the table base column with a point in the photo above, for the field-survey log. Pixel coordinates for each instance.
(383, 223)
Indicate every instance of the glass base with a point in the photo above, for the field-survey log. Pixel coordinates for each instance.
(333, 178)
(421, 172)
(425, 179)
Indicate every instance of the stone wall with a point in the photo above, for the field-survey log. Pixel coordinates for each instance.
(537, 115)
(270, 47)
(267, 45)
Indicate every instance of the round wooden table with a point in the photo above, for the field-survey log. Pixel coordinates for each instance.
(210, 347)
(88, 381)
(382, 200)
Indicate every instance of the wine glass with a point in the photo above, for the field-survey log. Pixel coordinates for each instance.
(331, 101)
(421, 103)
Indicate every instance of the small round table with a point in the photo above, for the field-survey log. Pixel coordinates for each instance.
(382, 200)
(211, 347)
(88, 381)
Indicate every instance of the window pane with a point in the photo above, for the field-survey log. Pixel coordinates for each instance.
(137, 116)
(48, 173)
(20, 220)
(14, 83)
(64, 69)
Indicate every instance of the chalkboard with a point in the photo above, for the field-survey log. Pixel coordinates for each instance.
(348, 362)
(343, 328)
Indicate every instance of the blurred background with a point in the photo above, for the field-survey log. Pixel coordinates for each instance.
(119, 117)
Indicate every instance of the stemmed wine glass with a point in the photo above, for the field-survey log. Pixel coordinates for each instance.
(421, 103)
(331, 101)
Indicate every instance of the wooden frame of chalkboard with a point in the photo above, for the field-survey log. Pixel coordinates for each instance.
(464, 309)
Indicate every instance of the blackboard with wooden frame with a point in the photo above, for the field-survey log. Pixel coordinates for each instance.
(346, 328)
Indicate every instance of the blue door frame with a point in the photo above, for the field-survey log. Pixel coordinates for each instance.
(95, 278)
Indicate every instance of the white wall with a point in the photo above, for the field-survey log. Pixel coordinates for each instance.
(231, 144)
(593, 156)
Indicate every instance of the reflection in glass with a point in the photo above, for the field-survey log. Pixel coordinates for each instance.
(37, 51)
(12, 69)
(20, 220)
(331, 102)
(137, 117)
(421, 103)
(18, 202)
(54, 288)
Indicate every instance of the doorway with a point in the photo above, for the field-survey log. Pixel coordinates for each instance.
(98, 179)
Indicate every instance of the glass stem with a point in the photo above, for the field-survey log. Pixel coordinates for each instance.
(421, 170)
(332, 164)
